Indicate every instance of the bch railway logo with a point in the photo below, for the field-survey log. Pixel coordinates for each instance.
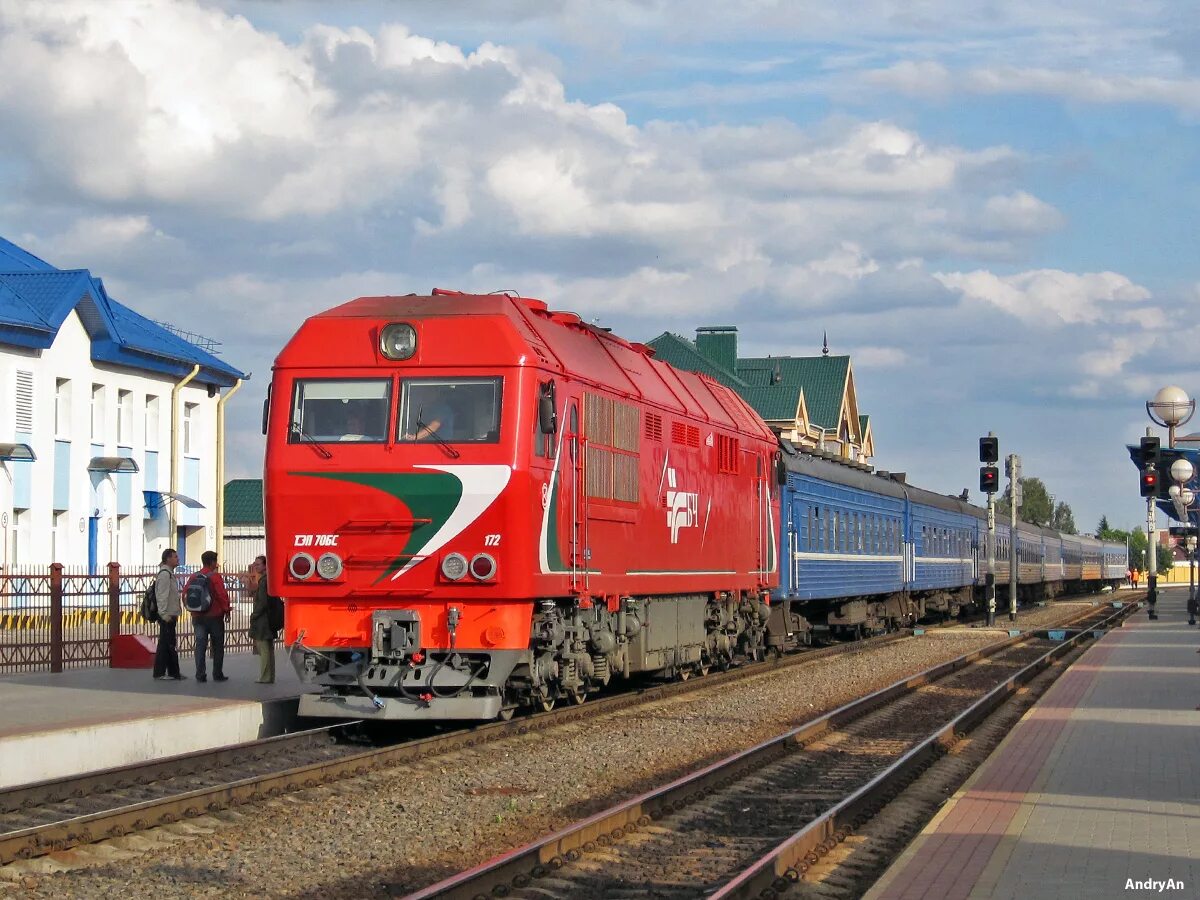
(683, 508)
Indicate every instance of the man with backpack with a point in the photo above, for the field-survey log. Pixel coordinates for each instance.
(266, 620)
(168, 609)
(205, 598)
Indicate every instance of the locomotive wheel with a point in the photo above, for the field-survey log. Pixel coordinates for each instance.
(684, 674)
(545, 704)
(577, 696)
(506, 713)
(704, 668)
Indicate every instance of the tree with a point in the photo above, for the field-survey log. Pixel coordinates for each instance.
(1106, 532)
(1063, 519)
(1137, 550)
(1035, 508)
(1164, 559)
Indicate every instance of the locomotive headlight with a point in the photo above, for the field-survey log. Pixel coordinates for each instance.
(301, 566)
(454, 566)
(483, 566)
(329, 566)
(398, 341)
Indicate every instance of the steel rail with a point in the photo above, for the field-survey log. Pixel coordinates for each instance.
(519, 868)
(88, 828)
(51, 837)
(791, 859)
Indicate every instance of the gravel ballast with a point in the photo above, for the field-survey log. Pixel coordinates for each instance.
(393, 831)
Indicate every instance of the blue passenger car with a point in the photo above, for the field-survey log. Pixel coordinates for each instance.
(864, 551)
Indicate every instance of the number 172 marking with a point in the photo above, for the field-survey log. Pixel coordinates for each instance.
(491, 540)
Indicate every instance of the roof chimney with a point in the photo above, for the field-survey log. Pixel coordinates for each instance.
(718, 344)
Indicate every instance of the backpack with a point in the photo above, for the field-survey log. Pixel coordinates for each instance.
(275, 614)
(149, 605)
(197, 598)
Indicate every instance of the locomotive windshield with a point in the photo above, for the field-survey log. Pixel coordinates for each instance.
(454, 410)
(341, 410)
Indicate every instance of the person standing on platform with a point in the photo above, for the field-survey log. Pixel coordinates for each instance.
(263, 626)
(167, 596)
(209, 621)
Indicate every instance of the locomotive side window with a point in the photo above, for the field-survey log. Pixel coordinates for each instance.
(345, 409)
(454, 410)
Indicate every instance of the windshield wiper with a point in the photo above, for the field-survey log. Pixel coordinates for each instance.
(298, 429)
(421, 426)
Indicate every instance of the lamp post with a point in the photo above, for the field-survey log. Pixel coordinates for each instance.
(1184, 498)
(1171, 407)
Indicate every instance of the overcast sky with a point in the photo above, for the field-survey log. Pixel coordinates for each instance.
(991, 206)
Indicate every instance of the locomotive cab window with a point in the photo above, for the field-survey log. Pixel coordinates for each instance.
(454, 410)
(326, 409)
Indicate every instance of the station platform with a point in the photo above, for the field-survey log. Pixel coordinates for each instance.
(1094, 793)
(84, 720)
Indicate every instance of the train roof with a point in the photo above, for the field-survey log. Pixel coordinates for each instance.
(880, 483)
(517, 331)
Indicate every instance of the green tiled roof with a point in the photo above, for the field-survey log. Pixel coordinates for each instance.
(822, 378)
(244, 501)
(682, 354)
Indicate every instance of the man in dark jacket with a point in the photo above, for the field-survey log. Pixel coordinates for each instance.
(262, 630)
(211, 624)
(166, 595)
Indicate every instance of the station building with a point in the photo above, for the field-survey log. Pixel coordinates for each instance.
(808, 400)
(110, 425)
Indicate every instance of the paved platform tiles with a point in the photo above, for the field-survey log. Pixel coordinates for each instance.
(52, 725)
(1097, 787)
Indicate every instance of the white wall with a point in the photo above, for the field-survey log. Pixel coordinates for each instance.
(138, 540)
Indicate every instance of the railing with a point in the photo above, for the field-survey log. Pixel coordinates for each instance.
(204, 342)
(55, 618)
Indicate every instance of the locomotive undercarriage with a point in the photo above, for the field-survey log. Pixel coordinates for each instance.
(575, 648)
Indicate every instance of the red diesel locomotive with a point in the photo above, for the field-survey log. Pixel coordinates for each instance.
(475, 503)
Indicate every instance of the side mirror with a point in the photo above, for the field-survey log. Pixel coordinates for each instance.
(781, 472)
(266, 413)
(547, 413)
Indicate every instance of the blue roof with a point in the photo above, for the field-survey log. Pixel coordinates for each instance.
(35, 298)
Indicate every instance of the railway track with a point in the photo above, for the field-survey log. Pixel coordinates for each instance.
(50, 816)
(751, 825)
(56, 815)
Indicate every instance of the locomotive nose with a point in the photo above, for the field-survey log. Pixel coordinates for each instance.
(382, 525)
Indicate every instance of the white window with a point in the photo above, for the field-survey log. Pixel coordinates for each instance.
(62, 407)
(20, 554)
(24, 406)
(98, 412)
(151, 422)
(124, 417)
(188, 411)
(58, 537)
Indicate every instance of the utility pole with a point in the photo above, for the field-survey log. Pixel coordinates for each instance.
(989, 480)
(1013, 465)
(1151, 559)
(1150, 456)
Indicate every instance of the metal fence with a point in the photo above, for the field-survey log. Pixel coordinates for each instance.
(54, 618)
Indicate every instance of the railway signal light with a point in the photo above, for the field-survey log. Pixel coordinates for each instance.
(1151, 452)
(1150, 482)
(989, 450)
(989, 479)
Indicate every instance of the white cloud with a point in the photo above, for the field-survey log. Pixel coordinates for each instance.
(928, 78)
(879, 357)
(1021, 212)
(1049, 298)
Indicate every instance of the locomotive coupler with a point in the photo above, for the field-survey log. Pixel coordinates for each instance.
(396, 634)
